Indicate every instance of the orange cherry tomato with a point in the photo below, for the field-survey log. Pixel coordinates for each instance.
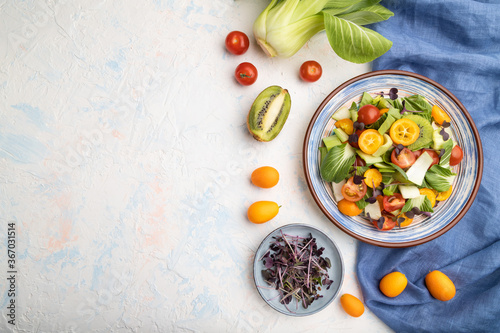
(348, 208)
(373, 177)
(444, 195)
(439, 115)
(346, 125)
(382, 111)
(406, 222)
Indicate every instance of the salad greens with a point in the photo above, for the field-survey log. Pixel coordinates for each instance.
(337, 162)
(286, 25)
(413, 158)
(295, 266)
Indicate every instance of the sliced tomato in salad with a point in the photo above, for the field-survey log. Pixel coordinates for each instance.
(456, 155)
(353, 192)
(404, 159)
(393, 202)
(388, 223)
(431, 152)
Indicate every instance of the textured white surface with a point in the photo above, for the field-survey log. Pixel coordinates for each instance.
(125, 164)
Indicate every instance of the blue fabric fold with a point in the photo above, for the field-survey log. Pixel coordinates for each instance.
(457, 44)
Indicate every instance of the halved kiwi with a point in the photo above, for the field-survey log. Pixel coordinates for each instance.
(425, 135)
(268, 113)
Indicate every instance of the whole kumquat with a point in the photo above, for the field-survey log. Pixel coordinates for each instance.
(440, 286)
(352, 305)
(393, 284)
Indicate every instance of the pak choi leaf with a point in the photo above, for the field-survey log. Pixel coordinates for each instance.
(440, 178)
(336, 164)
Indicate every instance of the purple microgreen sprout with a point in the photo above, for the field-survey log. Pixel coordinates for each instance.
(296, 268)
(445, 124)
(358, 126)
(393, 93)
(410, 214)
(399, 148)
(371, 200)
(353, 138)
(380, 222)
(441, 152)
(379, 93)
(400, 220)
(444, 134)
(357, 179)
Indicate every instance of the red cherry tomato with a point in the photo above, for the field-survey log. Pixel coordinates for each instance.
(310, 71)
(353, 192)
(405, 159)
(237, 42)
(457, 155)
(388, 224)
(393, 202)
(246, 73)
(368, 114)
(431, 152)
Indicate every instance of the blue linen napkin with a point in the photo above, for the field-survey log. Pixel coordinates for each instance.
(457, 44)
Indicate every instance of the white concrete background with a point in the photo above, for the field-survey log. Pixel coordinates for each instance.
(125, 164)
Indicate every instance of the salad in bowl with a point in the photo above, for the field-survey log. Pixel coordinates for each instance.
(392, 158)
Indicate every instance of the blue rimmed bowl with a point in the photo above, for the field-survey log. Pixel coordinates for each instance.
(469, 171)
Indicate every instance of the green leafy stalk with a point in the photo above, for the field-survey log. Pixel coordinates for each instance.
(286, 25)
(440, 178)
(337, 163)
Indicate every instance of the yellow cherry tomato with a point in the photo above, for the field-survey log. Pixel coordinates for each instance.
(431, 195)
(346, 125)
(439, 115)
(370, 140)
(407, 221)
(372, 177)
(262, 211)
(352, 305)
(265, 177)
(440, 286)
(393, 284)
(348, 208)
(404, 131)
(444, 195)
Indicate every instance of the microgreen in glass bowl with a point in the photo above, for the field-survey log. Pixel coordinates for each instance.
(298, 270)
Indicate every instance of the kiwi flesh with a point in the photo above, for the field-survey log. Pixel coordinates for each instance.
(268, 113)
(425, 135)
